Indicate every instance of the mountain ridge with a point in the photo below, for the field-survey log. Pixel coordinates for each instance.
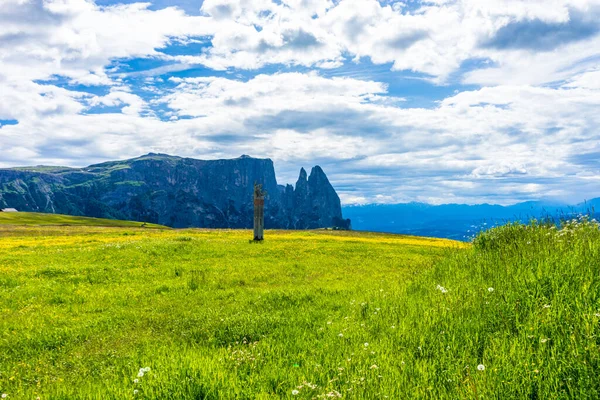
(458, 221)
(174, 191)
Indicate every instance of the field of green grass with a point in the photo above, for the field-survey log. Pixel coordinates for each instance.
(117, 313)
(41, 219)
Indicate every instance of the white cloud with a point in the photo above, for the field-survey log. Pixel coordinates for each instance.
(433, 40)
(519, 142)
(24, 100)
(131, 103)
(78, 39)
(268, 94)
(516, 139)
(587, 80)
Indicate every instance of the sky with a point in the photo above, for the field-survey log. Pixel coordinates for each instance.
(441, 101)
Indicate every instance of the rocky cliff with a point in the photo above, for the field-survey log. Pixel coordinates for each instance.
(175, 191)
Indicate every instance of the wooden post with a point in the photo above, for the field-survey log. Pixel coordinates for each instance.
(259, 212)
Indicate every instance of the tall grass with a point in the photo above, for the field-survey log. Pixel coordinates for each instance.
(525, 303)
(304, 315)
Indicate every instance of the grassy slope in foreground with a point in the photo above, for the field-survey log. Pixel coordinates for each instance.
(41, 219)
(302, 315)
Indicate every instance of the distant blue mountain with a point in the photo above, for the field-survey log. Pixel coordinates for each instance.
(457, 221)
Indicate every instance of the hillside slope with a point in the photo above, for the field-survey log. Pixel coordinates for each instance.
(42, 219)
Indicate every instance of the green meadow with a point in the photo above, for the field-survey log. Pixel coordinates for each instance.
(107, 312)
(39, 219)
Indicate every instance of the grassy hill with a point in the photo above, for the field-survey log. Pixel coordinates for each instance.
(41, 219)
(117, 313)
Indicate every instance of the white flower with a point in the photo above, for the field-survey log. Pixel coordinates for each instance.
(481, 367)
(341, 335)
(441, 289)
(490, 289)
(147, 369)
(140, 374)
(373, 366)
(546, 305)
(135, 391)
(4, 395)
(295, 392)
(136, 380)
(366, 344)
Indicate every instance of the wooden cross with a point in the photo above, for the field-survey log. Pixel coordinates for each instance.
(259, 212)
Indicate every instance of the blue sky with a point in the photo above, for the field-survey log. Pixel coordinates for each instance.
(439, 101)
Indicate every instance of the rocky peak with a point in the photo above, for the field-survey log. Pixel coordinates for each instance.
(323, 198)
(302, 183)
(313, 203)
(317, 178)
(302, 178)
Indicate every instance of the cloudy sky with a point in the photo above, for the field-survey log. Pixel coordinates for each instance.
(436, 101)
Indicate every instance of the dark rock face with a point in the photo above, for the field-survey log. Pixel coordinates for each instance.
(174, 191)
(314, 203)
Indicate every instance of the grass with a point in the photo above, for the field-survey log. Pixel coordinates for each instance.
(319, 314)
(41, 219)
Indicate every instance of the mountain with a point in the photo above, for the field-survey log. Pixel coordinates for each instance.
(457, 221)
(175, 191)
